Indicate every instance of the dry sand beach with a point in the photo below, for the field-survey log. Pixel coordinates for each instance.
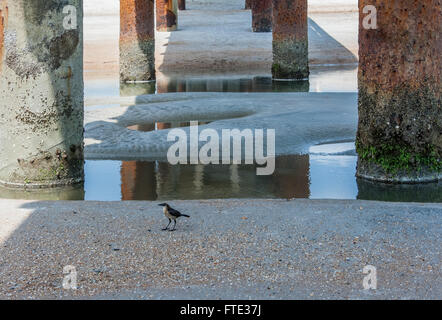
(228, 249)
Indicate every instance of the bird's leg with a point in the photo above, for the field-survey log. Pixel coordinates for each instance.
(170, 221)
(174, 225)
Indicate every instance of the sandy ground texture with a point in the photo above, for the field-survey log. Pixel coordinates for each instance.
(300, 120)
(215, 36)
(228, 249)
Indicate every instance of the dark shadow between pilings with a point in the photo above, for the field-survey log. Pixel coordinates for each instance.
(332, 51)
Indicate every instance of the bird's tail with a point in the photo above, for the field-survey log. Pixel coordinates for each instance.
(185, 215)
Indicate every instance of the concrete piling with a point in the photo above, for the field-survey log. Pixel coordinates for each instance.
(399, 135)
(137, 40)
(41, 90)
(262, 16)
(167, 15)
(290, 39)
(3, 15)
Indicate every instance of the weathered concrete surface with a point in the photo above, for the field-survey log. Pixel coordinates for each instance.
(269, 249)
(137, 40)
(3, 17)
(262, 16)
(290, 39)
(400, 111)
(300, 120)
(167, 15)
(41, 90)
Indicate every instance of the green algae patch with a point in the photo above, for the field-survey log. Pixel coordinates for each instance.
(394, 158)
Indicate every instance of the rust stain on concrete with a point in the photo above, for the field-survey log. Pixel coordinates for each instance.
(406, 46)
(290, 20)
(290, 39)
(137, 40)
(262, 15)
(400, 83)
(136, 20)
(3, 21)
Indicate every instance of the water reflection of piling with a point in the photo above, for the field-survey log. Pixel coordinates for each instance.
(137, 89)
(255, 84)
(160, 180)
(166, 85)
(138, 180)
(143, 127)
(182, 86)
(163, 126)
(71, 193)
(425, 192)
(196, 86)
(292, 177)
(200, 182)
(182, 4)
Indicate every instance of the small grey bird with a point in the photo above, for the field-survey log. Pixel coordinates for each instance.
(171, 214)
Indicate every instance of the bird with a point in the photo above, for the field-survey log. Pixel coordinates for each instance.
(171, 214)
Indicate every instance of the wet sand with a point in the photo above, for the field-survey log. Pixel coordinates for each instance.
(300, 120)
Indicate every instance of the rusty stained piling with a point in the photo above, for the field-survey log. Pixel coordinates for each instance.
(137, 40)
(182, 4)
(2, 34)
(290, 39)
(262, 16)
(248, 4)
(41, 90)
(167, 15)
(399, 135)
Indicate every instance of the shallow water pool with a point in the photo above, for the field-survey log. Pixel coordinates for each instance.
(327, 172)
